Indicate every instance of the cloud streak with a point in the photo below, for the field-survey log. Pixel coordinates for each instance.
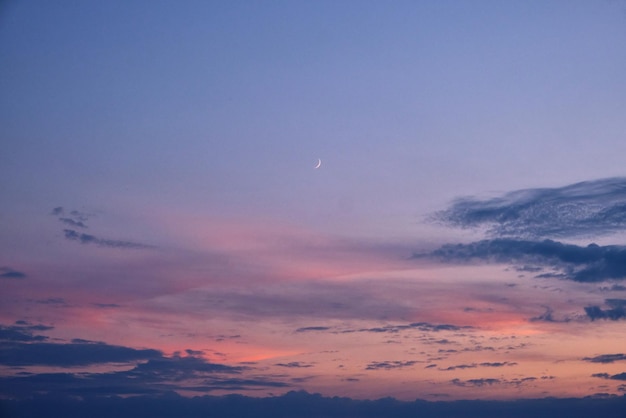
(592, 263)
(9, 273)
(588, 208)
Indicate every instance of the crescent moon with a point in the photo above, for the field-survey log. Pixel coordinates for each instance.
(319, 164)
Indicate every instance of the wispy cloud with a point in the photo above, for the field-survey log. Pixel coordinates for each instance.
(9, 273)
(295, 365)
(606, 358)
(589, 208)
(618, 376)
(78, 219)
(83, 238)
(388, 365)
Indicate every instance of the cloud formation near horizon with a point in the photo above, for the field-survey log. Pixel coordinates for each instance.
(589, 208)
(152, 371)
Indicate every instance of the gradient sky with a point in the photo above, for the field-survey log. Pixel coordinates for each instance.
(162, 225)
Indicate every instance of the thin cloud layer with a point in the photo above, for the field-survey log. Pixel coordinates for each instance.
(590, 208)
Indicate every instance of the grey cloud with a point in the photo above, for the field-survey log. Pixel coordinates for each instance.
(619, 376)
(106, 305)
(475, 382)
(421, 326)
(474, 365)
(606, 358)
(72, 235)
(388, 365)
(156, 376)
(460, 367)
(9, 273)
(78, 219)
(498, 364)
(295, 364)
(491, 381)
(308, 329)
(584, 264)
(77, 353)
(22, 331)
(583, 209)
(616, 311)
(73, 222)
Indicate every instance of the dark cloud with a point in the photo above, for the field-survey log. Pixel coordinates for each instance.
(619, 376)
(460, 367)
(616, 311)
(420, 326)
(22, 331)
(584, 264)
(308, 329)
(77, 353)
(475, 365)
(295, 364)
(498, 364)
(388, 365)
(9, 273)
(606, 358)
(156, 376)
(475, 382)
(584, 209)
(73, 235)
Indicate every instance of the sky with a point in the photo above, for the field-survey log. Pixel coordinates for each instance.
(164, 228)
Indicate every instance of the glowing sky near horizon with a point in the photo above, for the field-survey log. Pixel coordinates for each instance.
(163, 221)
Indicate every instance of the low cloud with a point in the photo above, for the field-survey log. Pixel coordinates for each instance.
(589, 208)
(153, 373)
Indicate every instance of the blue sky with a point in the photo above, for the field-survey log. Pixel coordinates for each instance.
(159, 193)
